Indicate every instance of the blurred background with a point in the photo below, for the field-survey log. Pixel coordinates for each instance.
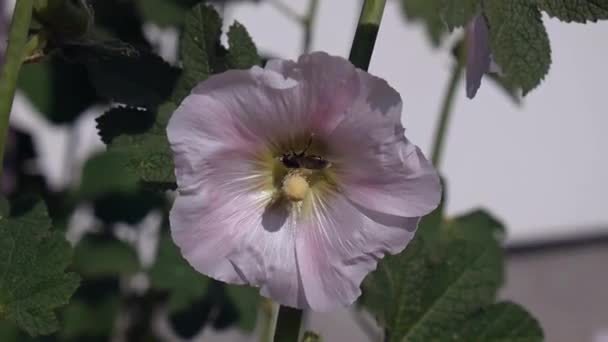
(539, 165)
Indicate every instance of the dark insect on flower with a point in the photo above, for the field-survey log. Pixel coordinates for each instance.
(300, 160)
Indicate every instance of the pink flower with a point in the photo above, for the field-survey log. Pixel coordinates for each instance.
(296, 178)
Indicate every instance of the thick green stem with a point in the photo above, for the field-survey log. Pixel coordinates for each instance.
(367, 31)
(308, 22)
(268, 322)
(446, 111)
(9, 74)
(288, 325)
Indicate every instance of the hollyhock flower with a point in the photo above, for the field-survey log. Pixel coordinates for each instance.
(296, 178)
(479, 56)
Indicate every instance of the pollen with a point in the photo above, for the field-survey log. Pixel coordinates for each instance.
(295, 187)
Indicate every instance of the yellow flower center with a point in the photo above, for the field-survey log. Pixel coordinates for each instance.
(295, 186)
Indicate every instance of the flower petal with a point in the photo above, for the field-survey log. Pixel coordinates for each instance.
(340, 244)
(478, 53)
(228, 229)
(377, 166)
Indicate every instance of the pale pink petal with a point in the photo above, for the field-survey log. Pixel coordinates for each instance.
(340, 244)
(377, 166)
(329, 83)
(213, 213)
(226, 229)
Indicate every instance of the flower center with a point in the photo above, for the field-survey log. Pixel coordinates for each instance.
(295, 186)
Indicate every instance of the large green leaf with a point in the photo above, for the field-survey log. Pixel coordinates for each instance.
(458, 13)
(200, 43)
(501, 322)
(123, 74)
(32, 278)
(518, 41)
(165, 12)
(173, 274)
(146, 153)
(95, 181)
(243, 53)
(575, 10)
(425, 293)
(429, 13)
(98, 257)
(246, 301)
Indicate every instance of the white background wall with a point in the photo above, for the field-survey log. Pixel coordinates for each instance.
(541, 167)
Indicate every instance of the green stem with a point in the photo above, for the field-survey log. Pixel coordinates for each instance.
(268, 323)
(288, 325)
(10, 71)
(308, 22)
(446, 111)
(286, 10)
(367, 31)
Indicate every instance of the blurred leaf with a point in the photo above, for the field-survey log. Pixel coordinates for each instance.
(579, 11)
(60, 90)
(32, 264)
(123, 74)
(165, 12)
(84, 321)
(95, 181)
(503, 321)
(458, 13)
(122, 20)
(242, 54)
(173, 274)
(421, 296)
(98, 258)
(429, 13)
(246, 301)
(518, 41)
(128, 208)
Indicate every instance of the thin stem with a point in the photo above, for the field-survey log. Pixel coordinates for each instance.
(286, 10)
(288, 325)
(9, 75)
(308, 22)
(446, 111)
(268, 320)
(367, 31)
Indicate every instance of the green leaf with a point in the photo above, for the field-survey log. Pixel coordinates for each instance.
(89, 320)
(420, 295)
(32, 278)
(579, 11)
(242, 54)
(125, 75)
(97, 258)
(173, 274)
(200, 43)
(124, 120)
(246, 301)
(458, 13)
(501, 322)
(518, 41)
(148, 154)
(512, 91)
(429, 13)
(165, 12)
(95, 181)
